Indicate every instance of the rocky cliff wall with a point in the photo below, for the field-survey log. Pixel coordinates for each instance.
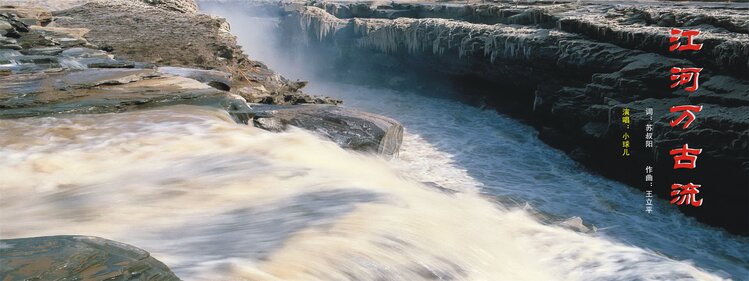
(570, 69)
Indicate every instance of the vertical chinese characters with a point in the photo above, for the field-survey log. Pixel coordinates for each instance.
(625, 136)
(648, 168)
(687, 77)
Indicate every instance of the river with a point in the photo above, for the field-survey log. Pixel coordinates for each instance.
(474, 195)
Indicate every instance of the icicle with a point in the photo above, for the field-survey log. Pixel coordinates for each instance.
(317, 21)
(442, 36)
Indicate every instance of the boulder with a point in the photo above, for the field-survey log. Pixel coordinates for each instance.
(77, 258)
(348, 128)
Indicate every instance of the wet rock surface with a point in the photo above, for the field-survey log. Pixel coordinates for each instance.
(348, 128)
(108, 90)
(570, 68)
(77, 258)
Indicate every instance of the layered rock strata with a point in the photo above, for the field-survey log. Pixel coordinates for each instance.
(570, 69)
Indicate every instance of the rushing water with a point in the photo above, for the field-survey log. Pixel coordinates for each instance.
(465, 148)
(216, 200)
(220, 201)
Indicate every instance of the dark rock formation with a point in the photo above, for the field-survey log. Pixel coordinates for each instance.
(569, 68)
(77, 258)
(349, 128)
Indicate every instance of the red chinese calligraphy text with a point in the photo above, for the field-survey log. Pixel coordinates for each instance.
(675, 40)
(685, 194)
(683, 76)
(685, 157)
(687, 112)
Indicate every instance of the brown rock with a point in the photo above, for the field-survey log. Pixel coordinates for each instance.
(77, 258)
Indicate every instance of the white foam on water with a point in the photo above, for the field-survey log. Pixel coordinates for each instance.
(461, 148)
(504, 160)
(216, 200)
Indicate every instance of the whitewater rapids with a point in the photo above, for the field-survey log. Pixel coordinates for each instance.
(216, 200)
